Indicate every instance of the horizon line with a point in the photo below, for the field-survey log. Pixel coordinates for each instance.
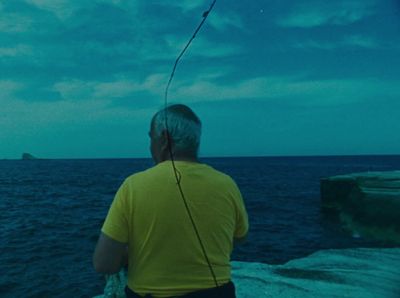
(211, 156)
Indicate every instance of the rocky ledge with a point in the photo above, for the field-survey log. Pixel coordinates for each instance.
(367, 203)
(355, 273)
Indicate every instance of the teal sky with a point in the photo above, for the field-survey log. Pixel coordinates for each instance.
(82, 78)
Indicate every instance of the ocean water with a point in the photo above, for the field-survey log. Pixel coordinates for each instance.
(51, 212)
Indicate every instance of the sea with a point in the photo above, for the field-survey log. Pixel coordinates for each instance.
(51, 212)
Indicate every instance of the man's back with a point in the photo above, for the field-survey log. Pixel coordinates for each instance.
(165, 257)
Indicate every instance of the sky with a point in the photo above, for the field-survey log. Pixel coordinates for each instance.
(82, 78)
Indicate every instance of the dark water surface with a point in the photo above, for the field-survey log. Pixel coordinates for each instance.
(52, 211)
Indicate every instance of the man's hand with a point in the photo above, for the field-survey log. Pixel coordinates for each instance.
(110, 255)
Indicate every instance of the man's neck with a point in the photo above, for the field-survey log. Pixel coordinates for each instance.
(181, 158)
(188, 159)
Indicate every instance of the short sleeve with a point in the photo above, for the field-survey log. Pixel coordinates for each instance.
(242, 221)
(116, 222)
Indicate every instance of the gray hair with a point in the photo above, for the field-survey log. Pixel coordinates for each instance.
(184, 128)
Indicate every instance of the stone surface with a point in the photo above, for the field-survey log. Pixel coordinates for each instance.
(355, 273)
(367, 203)
(366, 273)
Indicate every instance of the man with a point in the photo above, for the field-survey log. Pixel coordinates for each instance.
(149, 222)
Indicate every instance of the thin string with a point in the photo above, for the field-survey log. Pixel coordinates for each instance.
(205, 15)
(177, 174)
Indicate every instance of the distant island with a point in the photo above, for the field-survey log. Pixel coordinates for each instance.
(28, 156)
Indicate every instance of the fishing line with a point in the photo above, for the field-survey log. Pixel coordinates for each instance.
(169, 141)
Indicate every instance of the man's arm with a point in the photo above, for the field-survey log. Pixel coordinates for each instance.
(242, 220)
(110, 255)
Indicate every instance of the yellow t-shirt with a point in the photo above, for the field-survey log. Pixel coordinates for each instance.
(148, 213)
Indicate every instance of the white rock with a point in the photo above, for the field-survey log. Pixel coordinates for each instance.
(355, 273)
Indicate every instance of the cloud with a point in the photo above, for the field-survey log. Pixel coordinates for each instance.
(358, 41)
(225, 21)
(61, 8)
(210, 49)
(74, 89)
(27, 92)
(201, 47)
(166, 49)
(82, 104)
(97, 39)
(16, 51)
(65, 9)
(14, 23)
(125, 87)
(29, 118)
(207, 90)
(79, 90)
(220, 20)
(314, 14)
(116, 89)
(8, 88)
(361, 41)
(187, 5)
(293, 90)
(205, 87)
